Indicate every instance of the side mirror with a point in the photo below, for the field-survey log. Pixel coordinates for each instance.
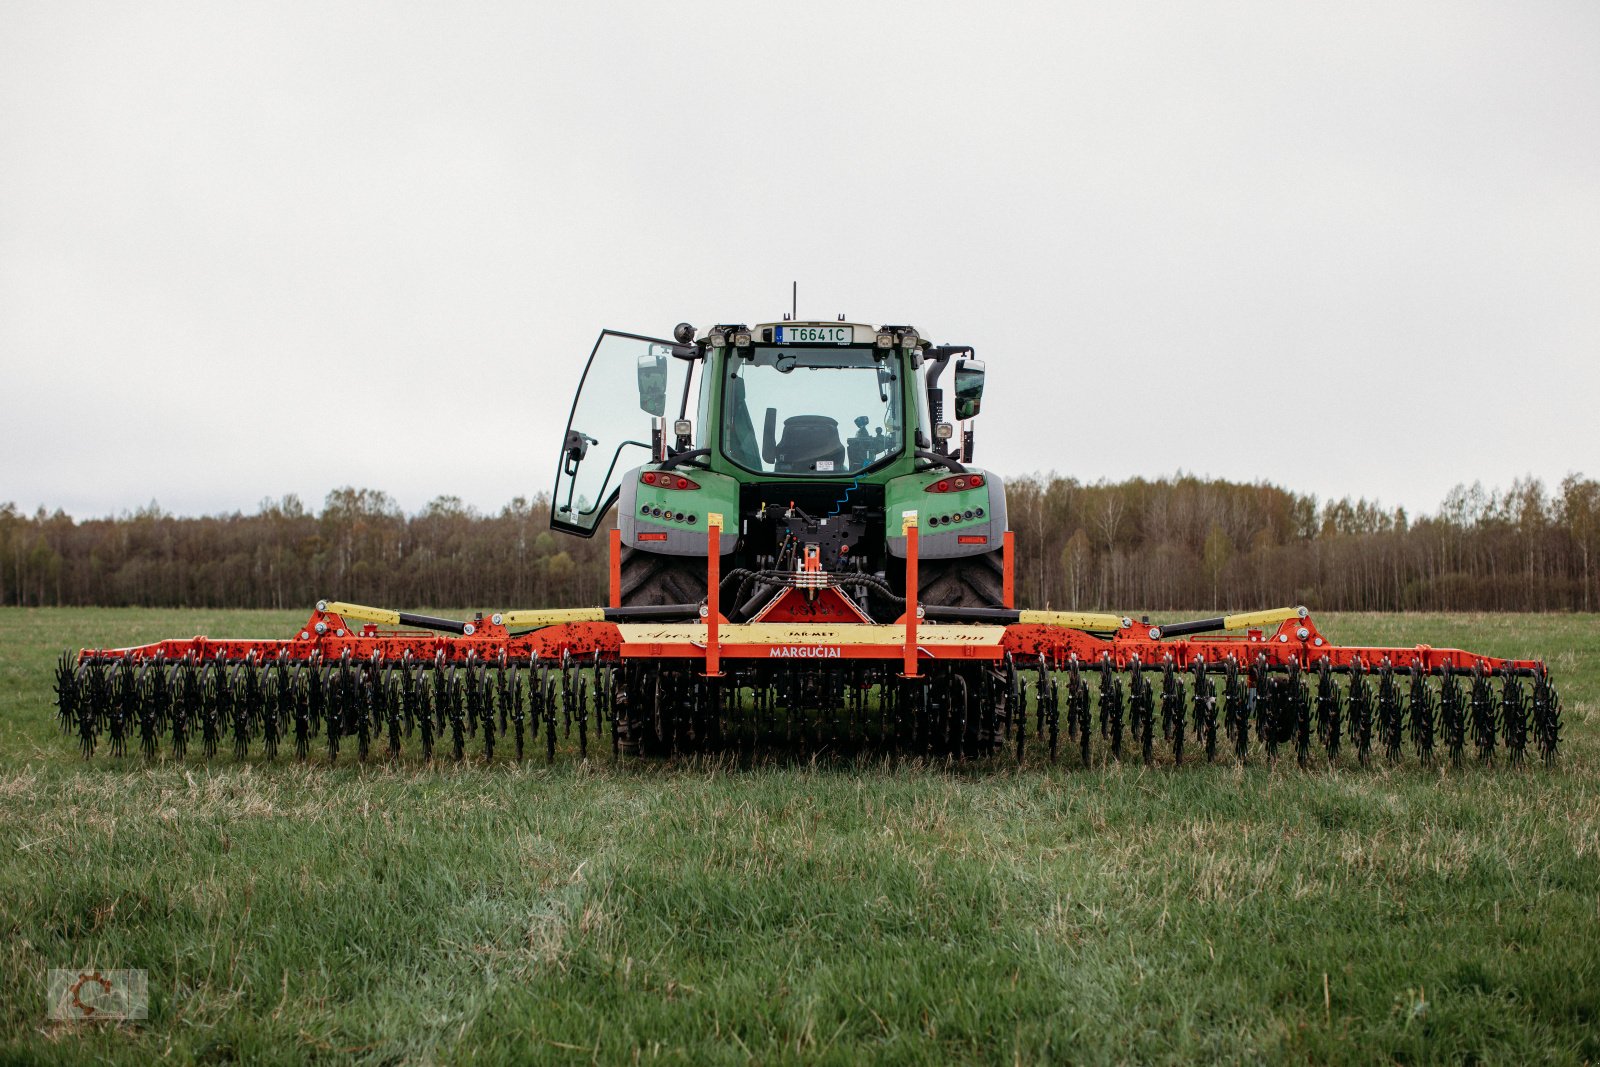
(653, 382)
(575, 448)
(969, 388)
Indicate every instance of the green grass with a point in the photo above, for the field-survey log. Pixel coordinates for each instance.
(693, 912)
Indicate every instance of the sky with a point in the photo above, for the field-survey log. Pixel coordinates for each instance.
(248, 250)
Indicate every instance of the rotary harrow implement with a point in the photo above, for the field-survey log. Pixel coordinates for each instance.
(798, 589)
(362, 683)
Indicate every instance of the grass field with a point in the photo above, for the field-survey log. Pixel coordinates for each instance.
(692, 912)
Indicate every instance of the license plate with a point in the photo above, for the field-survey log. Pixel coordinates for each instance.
(813, 335)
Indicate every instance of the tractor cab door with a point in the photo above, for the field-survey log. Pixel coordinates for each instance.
(628, 382)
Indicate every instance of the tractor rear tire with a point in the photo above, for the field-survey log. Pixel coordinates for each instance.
(649, 578)
(962, 582)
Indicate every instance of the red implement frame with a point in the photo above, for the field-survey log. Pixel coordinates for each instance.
(796, 631)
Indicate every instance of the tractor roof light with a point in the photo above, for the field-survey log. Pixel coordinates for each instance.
(885, 339)
(741, 338)
(718, 336)
(909, 338)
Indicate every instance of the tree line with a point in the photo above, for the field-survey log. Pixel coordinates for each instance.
(1180, 543)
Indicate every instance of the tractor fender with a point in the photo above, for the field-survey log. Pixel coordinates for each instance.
(946, 542)
(675, 538)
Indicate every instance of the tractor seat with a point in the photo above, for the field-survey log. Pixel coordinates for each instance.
(808, 440)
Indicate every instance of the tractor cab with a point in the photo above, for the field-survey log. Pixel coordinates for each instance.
(809, 445)
(808, 401)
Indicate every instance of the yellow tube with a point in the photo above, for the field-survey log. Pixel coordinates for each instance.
(1072, 620)
(1259, 618)
(381, 616)
(553, 616)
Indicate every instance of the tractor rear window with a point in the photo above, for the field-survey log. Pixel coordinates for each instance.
(820, 411)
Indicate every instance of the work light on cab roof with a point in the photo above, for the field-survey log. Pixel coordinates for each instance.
(804, 554)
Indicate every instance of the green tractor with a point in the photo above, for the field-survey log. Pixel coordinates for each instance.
(810, 440)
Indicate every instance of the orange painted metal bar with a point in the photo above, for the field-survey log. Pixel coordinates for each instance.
(713, 580)
(1008, 569)
(616, 568)
(910, 527)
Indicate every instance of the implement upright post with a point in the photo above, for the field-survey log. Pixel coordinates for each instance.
(713, 580)
(909, 528)
(1008, 570)
(616, 567)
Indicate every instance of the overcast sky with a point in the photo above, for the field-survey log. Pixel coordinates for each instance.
(249, 250)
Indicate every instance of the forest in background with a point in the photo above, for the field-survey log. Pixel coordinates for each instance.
(1180, 543)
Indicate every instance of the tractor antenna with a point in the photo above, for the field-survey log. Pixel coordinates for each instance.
(794, 300)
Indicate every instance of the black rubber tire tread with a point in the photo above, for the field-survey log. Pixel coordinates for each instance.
(649, 578)
(962, 582)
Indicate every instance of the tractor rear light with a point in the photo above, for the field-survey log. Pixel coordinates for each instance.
(667, 480)
(652, 536)
(972, 539)
(955, 485)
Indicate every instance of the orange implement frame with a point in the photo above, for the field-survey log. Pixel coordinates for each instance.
(910, 660)
(713, 606)
(1008, 570)
(616, 567)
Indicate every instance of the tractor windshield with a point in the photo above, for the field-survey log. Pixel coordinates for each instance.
(793, 410)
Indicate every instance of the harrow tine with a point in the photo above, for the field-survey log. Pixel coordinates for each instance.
(393, 708)
(455, 694)
(1452, 715)
(1361, 712)
(1546, 716)
(124, 706)
(1141, 707)
(307, 697)
(424, 714)
(1514, 717)
(1173, 710)
(583, 716)
(547, 703)
(1302, 718)
(1078, 695)
(67, 694)
(1238, 704)
(1330, 711)
(92, 679)
(1423, 713)
(518, 721)
(1485, 717)
(1391, 713)
(185, 705)
(1205, 709)
(151, 699)
(1112, 703)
